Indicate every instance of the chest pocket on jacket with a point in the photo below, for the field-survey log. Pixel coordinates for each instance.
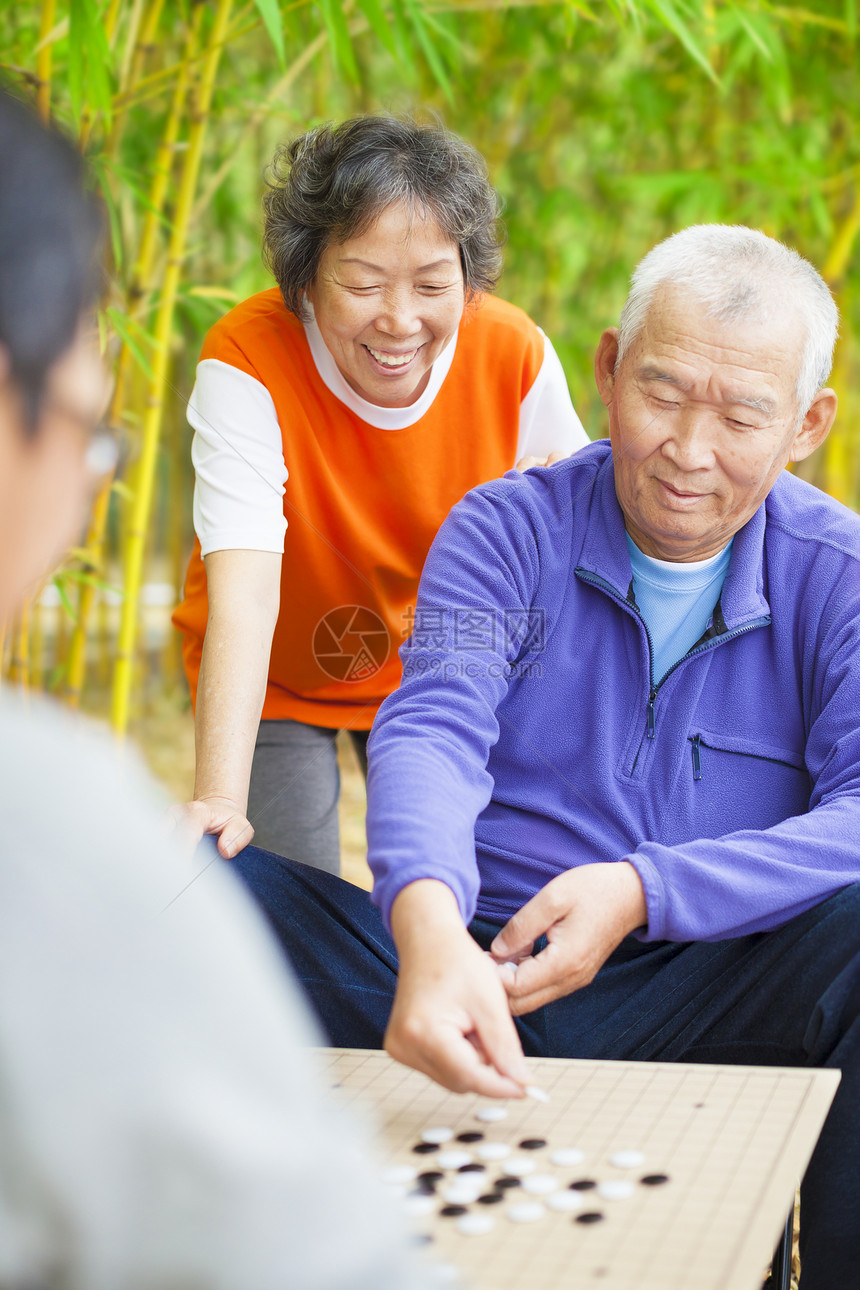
(737, 783)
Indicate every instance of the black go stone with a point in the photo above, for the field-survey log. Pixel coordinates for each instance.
(492, 1198)
(425, 1148)
(654, 1180)
(503, 1183)
(471, 1169)
(471, 1136)
(430, 1177)
(532, 1144)
(590, 1216)
(453, 1211)
(583, 1184)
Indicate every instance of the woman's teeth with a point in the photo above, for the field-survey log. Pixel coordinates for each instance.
(391, 360)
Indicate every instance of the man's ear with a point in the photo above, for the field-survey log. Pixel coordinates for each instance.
(604, 365)
(815, 426)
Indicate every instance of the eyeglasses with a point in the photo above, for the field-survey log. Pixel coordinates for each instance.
(104, 447)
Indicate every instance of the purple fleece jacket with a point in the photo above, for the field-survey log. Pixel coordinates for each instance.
(527, 737)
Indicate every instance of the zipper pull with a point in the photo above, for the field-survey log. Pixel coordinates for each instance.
(651, 722)
(697, 760)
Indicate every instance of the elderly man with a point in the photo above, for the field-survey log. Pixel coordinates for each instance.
(617, 796)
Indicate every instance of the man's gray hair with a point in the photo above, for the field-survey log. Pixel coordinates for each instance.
(736, 272)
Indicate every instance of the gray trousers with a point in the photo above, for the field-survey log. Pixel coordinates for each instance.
(295, 786)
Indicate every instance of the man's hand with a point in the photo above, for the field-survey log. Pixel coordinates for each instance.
(526, 463)
(584, 913)
(218, 815)
(450, 1018)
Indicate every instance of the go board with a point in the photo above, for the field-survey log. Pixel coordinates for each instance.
(633, 1176)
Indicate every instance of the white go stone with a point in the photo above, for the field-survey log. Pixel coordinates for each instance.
(627, 1159)
(540, 1184)
(397, 1175)
(445, 1273)
(437, 1134)
(475, 1224)
(491, 1114)
(453, 1159)
(536, 1093)
(492, 1151)
(528, 1211)
(519, 1166)
(418, 1205)
(566, 1157)
(461, 1193)
(615, 1189)
(565, 1202)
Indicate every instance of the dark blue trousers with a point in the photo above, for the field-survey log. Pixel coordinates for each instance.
(784, 998)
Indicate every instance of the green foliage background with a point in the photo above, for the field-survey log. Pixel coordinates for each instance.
(606, 124)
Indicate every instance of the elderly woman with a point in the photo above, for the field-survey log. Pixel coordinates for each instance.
(356, 403)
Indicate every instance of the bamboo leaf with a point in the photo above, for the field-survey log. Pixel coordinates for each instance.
(339, 38)
(380, 24)
(271, 15)
(124, 329)
(668, 14)
(215, 293)
(434, 60)
(58, 580)
(89, 61)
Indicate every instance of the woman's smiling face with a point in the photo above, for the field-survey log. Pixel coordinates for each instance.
(387, 302)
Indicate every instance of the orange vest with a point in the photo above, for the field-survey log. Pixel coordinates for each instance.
(362, 504)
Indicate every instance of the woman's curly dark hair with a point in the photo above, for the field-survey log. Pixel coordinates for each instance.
(334, 182)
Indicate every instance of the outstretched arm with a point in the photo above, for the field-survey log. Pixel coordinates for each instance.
(244, 592)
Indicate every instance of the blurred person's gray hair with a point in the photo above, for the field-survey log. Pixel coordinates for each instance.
(737, 273)
(334, 182)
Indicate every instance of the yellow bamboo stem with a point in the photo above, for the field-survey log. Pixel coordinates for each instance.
(20, 671)
(111, 20)
(44, 58)
(142, 504)
(77, 655)
(163, 162)
(275, 95)
(840, 252)
(77, 662)
(37, 643)
(134, 21)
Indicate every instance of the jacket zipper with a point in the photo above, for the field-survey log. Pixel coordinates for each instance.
(651, 716)
(698, 743)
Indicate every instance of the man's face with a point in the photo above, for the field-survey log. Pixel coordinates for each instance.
(702, 419)
(45, 480)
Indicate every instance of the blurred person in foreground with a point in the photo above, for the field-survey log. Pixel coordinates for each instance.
(631, 828)
(359, 399)
(160, 1123)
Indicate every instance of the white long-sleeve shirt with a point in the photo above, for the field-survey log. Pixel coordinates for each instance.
(161, 1122)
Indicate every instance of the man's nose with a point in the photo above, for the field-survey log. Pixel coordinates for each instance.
(690, 446)
(399, 314)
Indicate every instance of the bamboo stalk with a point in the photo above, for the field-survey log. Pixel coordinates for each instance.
(837, 454)
(44, 58)
(142, 504)
(140, 279)
(20, 669)
(134, 22)
(307, 55)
